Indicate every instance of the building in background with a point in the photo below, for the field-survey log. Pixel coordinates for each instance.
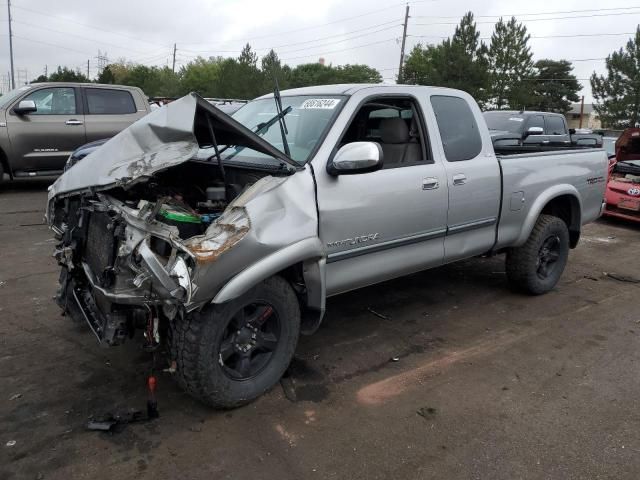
(589, 117)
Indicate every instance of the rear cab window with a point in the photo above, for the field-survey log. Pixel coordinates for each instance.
(106, 101)
(536, 121)
(458, 128)
(554, 125)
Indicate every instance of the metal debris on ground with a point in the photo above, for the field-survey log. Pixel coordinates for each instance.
(622, 278)
(110, 422)
(371, 310)
(395, 359)
(11, 443)
(426, 412)
(15, 397)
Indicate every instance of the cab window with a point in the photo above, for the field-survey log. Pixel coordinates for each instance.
(458, 128)
(103, 101)
(554, 125)
(395, 125)
(54, 101)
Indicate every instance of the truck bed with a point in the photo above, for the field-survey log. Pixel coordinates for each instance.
(525, 184)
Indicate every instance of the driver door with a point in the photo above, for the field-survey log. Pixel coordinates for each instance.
(391, 222)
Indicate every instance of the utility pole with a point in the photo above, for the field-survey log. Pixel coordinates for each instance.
(13, 79)
(404, 39)
(87, 68)
(174, 59)
(581, 111)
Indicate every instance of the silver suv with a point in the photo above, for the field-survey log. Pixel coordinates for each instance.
(42, 123)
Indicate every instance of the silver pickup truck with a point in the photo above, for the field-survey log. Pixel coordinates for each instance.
(42, 123)
(224, 236)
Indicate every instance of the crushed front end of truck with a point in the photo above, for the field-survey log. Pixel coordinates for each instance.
(127, 266)
(146, 230)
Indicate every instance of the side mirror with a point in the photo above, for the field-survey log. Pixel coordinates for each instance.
(25, 107)
(356, 157)
(535, 131)
(572, 131)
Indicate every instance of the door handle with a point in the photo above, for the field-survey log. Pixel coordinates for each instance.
(430, 183)
(459, 179)
(73, 121)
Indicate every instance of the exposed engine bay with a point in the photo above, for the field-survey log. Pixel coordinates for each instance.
(139, 247)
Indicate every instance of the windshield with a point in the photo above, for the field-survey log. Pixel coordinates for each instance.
(8, 97)
(307, 123)
(504, 121)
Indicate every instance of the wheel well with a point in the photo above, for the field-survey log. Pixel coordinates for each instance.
(566, 208)
(311, 317)
(4, 161)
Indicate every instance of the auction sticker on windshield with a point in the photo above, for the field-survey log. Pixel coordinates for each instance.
(320, 103)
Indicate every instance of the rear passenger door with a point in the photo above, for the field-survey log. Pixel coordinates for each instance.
(473, 178)
(108, 111)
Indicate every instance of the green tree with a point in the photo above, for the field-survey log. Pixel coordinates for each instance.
(510, 66)
(617, 93)
(201, 75)
(458, 62)
(555, 87)
(64, 74)
(272, 69)
(356, 74)
(106, 75)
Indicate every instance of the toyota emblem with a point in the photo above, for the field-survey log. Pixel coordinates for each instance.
(634, 191)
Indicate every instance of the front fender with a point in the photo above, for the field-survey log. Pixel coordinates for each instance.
(303, 251)
(538, 205)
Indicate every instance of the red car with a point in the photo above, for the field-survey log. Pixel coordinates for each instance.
(623, 186)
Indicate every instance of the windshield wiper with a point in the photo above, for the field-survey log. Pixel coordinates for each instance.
(280, 116)
(262, 127)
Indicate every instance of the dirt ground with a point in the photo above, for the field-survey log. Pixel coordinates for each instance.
(487, 383)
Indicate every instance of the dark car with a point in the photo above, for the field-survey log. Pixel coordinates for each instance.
(526, 130)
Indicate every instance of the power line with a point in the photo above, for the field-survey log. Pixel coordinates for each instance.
(304, 29)
(395, 22)
(86, 25)
(578, 35)
(52, 45)
(77, 36)
(527, 20)
(534, 14)
(337, 51)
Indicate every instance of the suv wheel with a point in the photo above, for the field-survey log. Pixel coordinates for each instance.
(228, 355)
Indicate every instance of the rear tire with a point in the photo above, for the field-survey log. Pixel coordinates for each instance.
(536, 267)
(229, 355)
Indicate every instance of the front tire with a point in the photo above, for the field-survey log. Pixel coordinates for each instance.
(536, 267)
(229, 355)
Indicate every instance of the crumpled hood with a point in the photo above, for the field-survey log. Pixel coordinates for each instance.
(164, 138)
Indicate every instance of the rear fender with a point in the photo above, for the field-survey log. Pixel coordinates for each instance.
(542, 201)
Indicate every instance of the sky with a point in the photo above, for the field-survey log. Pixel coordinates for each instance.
(72, 32)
